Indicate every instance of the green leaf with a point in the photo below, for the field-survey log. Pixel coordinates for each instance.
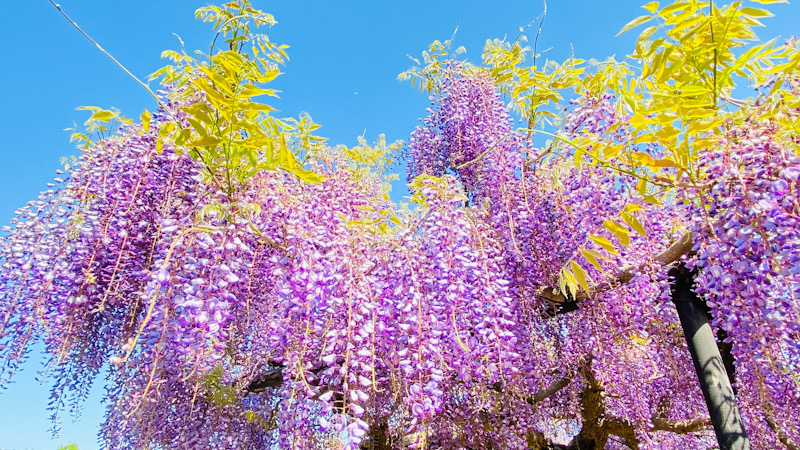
(219, 82)
(172, 55)
(254, 418)
(197, 126)
(632, 208)
(754, 12)
(166, 128)
(306, 175)
(593, 257)
(634, 223)
(693, 91)
(254, 106)
(603, 241)
(146, 120)
(666, 162)
(182, 136)
(643, 158)
(580, 274)
(646, 33)
(749, 55)
(286, 158)
(201, 112)
(619, 231)
(652, 200)
(205, 141)
(633, 23)
(102, 116)
(651, 7)
(673, 8)
(567, 281)
(254, 91)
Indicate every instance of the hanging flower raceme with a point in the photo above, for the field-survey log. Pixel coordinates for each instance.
(749, 258)
(192, 302)
(541, 219)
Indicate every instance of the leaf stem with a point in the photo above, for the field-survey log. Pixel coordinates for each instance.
(604, 163)
(160, 102)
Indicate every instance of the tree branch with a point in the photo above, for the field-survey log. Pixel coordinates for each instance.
(565, 304)
(74, 24)
(273, 378)
(538, 396)
(785, 440)
(682, 427)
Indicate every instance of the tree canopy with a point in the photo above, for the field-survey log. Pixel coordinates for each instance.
(248, 285)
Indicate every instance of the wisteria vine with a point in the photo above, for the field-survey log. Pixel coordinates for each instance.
(286, 310)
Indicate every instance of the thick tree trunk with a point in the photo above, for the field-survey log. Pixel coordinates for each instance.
(597, 425)
(378, 439)
(711, 371)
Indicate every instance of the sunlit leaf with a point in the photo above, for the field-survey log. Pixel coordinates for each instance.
(567, 282)
(603, 242)
(652, 7)
(635, 22)
(755, 12)
(146, 120)
(580, 275)
(205, 141)
(618, 231)
(308, 176)
(198, 127)
(102, 116)
(634, 223)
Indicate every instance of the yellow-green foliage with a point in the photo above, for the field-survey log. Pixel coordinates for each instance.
(231, 132)
(217, 391)
(677, 88)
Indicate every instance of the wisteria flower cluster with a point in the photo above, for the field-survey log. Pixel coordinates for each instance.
(622, 343)
(130, 261)
(749, 252)
(291, 312)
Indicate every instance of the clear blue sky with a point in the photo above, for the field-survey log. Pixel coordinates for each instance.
(345, 57)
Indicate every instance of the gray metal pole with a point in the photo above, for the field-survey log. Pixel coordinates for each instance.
(711, 373)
